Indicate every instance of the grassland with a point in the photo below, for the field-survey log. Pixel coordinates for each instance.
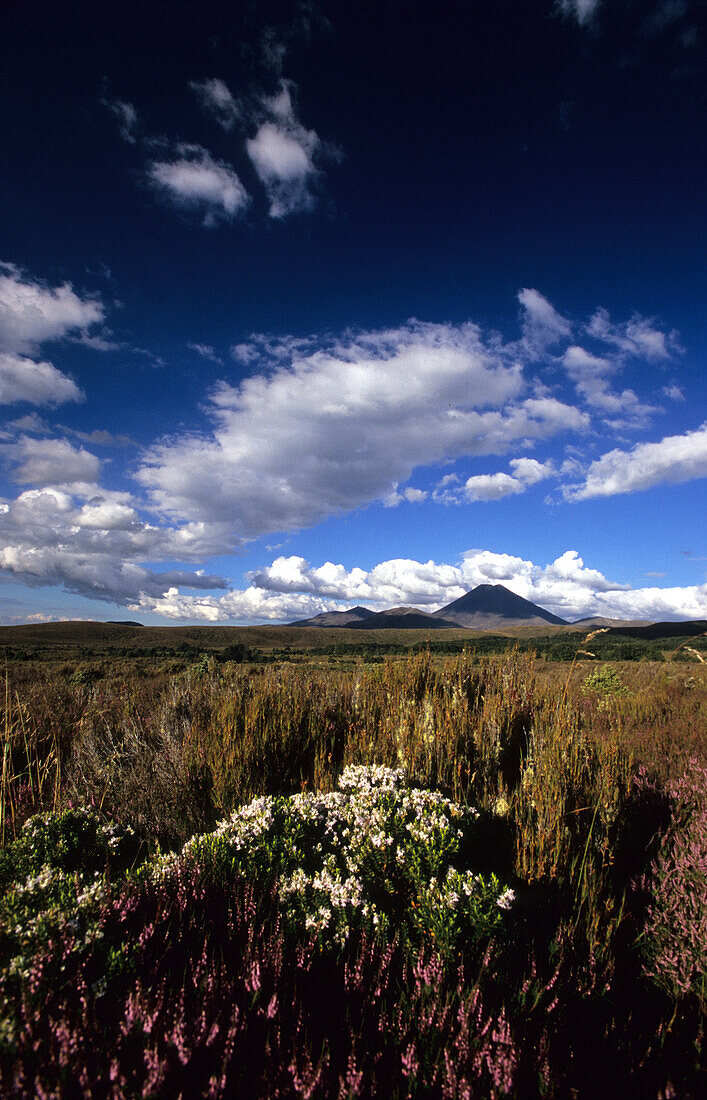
(508, 899)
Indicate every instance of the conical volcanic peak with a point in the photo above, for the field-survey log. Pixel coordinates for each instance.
(491, 605)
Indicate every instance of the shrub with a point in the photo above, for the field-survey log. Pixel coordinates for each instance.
(675, 934)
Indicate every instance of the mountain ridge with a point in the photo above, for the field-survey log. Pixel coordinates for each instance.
(485, 607)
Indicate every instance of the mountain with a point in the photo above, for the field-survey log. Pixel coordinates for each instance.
(403, 618)
(487, 607)
(355, 616)
(490, 606)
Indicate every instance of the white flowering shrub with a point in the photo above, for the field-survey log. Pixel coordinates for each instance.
(373, 852)
(56, 872)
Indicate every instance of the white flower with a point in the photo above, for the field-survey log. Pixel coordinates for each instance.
(506, 899)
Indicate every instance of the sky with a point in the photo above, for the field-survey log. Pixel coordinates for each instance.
(312, 304)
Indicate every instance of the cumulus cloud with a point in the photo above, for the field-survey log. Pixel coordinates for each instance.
(92, 541)
(195, 181)
(32, 314)
(39, 383)
(217, 99)
(674, 459)
(342, 426)
(283, 155)
(49, 462)
(409, 495)
(487, 487)
(291, 588)
(581, 10)
(526, 472)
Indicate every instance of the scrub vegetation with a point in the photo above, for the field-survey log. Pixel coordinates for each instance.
(422, 876)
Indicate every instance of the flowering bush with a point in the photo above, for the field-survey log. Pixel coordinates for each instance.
(373, 851)
(56, 872)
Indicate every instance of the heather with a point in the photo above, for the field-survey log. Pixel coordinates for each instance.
(440, 876)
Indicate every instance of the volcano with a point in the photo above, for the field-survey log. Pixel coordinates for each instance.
(490, 606)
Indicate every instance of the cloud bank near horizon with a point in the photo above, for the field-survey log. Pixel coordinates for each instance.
(291, 589)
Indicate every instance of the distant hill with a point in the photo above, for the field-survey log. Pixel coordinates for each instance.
(489, 606)
(693, 628)
(602, 621)
(406, 618)
(353, 617)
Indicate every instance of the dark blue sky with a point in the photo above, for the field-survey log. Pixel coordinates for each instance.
(245, 205)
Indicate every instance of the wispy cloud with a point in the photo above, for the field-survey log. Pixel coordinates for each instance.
(127, 117)
(542, 325)
(217, 99)
(591, 375)
(283, 154)
(206, 352)
(32, 313)
(37, 382)
(640, 336)
(583, 11)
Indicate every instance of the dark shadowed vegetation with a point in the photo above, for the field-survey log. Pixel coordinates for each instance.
(436, 875)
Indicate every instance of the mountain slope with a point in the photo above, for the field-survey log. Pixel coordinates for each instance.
(489, 606)
(354, 616)
(405, 618)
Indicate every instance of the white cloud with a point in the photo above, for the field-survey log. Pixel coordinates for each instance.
(591, 375)
(283, 154)
(674, 459)
(39, 383)
(194, 180)
(32, 313)
(343, 426)
(91, 541)
(542, 324)
(639, 337)
(206, 352)
(291, 588)
(581, 10)
(249, 606)
(50, 462)
(217, 99)
(530, 471)
(526, 472)
(675, 393)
